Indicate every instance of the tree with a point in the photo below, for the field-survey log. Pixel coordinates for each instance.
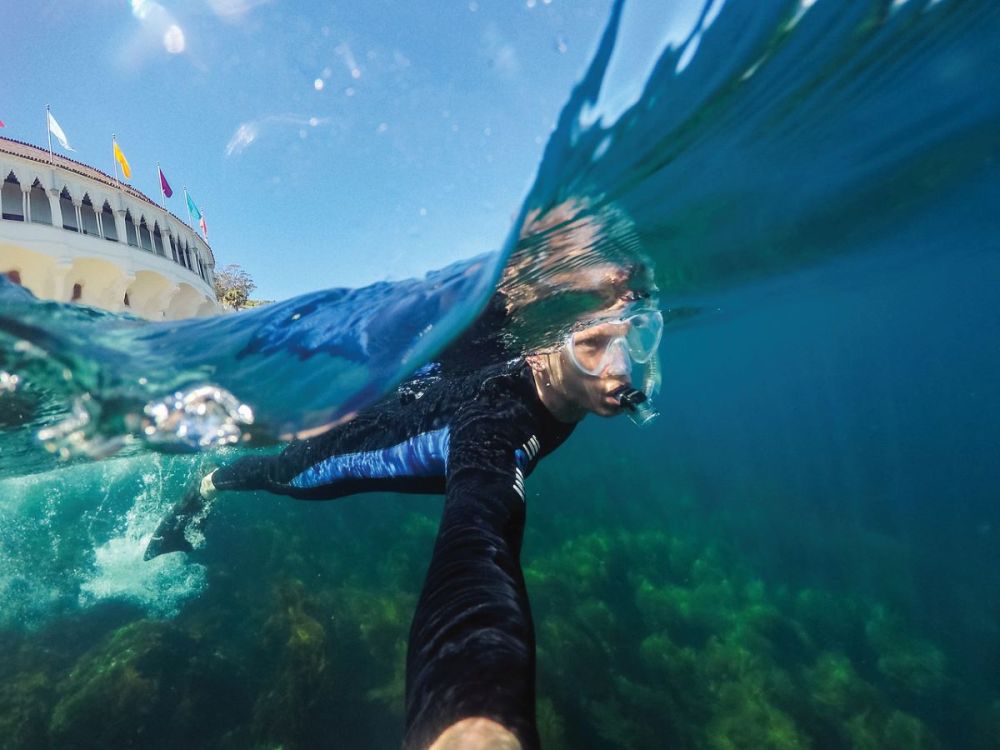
(233, 286)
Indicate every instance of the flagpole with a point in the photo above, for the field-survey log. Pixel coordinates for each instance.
(48, 129)
(115, 160)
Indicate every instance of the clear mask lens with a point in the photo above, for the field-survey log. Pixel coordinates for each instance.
(614, 346)
(644, 333)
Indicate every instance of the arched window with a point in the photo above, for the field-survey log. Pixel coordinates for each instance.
(144, 239)
(12, 200)
(173, 247)
(68, 211)
(158, 239)
(125, 301)
(77, 292)
(130, 235)
(108, 223)
(41, 209)
(182, 251)
(187, 252)
(89, 216)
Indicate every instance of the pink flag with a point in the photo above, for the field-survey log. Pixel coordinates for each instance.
(2, 125)
(204, 226)
(164, 185)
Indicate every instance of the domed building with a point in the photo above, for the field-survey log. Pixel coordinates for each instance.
(71, 233)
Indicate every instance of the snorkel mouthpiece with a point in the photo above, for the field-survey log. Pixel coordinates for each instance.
(636, 404)
(629, 398)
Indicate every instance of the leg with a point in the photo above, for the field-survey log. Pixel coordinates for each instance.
(191, 511)
(369, 454)
(337, 463)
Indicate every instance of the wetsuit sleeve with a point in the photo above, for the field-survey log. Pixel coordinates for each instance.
(472, 647)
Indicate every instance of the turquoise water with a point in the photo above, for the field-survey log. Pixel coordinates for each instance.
(801, 552)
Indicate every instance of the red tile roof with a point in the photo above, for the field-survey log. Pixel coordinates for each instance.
(28, 151)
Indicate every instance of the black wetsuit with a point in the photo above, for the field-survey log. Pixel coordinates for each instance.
(475, 438)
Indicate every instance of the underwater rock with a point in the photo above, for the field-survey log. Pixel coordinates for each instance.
(835, 687)
(839, 619)
(391, 694)
(909, 665)
(376, 624)
(282, 711)
(746, 718)
(25, 704)
(669, 664)
(136, 689)
(645, 641)
(892, 731)
(709, 655)
(580, 567)
(551, 727)
(618, 719)
(575, 656)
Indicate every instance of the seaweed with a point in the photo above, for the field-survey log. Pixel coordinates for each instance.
(645, 639)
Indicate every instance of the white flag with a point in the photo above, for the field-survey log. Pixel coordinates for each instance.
(58, 132)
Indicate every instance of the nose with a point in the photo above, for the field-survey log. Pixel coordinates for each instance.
(619, 362)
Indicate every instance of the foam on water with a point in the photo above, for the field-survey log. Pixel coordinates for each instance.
(160, 585)
(75, 538)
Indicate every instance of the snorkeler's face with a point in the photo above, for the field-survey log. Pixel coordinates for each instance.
(571, 393)
(592, 392)
(587, 374)
(607, 356)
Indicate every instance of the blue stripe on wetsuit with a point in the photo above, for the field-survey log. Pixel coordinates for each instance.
(424, 455)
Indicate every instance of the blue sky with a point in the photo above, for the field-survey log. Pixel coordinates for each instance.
(328, 144)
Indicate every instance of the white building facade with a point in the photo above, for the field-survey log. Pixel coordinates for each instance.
(71, 233)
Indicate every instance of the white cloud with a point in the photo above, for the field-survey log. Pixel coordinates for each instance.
(249, 132)
(234, 10)
(245, 135)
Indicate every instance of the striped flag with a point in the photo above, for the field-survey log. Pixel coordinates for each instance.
(120, 158)
(164, 185)
(57, 131)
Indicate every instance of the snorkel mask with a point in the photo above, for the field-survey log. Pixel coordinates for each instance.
(623, 346)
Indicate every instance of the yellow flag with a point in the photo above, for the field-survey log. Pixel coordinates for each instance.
(120, 157)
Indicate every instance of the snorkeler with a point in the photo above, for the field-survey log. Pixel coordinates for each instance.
(470, 671)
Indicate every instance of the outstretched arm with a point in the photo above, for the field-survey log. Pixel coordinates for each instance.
(471, 659)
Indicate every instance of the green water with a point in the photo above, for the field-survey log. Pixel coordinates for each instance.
(656, 627)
